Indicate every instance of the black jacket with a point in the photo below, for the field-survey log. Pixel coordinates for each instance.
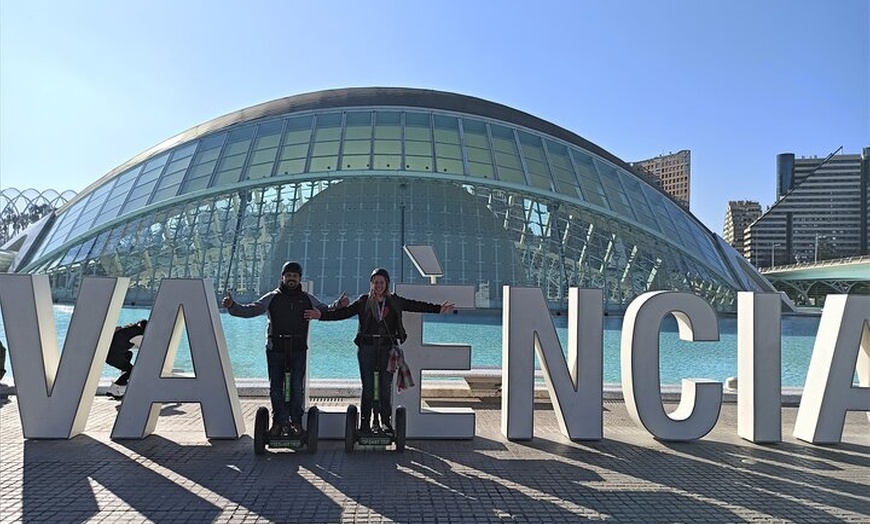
(369, 324)
(121, 339)
(284, 309)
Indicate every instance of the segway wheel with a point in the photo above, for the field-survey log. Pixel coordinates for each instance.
(313, 421)
(261, 427)
(401, 427)
(350, 424)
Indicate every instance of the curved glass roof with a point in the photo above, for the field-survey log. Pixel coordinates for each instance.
(381, 132)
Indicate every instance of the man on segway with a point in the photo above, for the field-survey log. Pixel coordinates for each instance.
(286, 345)
(380, 328)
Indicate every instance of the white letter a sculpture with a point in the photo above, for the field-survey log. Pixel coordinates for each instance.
(151, 383)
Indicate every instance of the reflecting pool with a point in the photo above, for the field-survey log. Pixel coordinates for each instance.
(333, 354)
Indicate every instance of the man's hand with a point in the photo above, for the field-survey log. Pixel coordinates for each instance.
(343, 301)
(228, 300)
(447, 308)
(311, 314)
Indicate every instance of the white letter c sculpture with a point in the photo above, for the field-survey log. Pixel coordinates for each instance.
(701, 399)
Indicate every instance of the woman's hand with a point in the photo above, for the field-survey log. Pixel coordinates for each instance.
(311, 314)
(228, 300)
(446, 308)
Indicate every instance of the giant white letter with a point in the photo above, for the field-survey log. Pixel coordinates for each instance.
(574, 386)
(759, 368)
(180, 303)
(842, 345)
(56, 391)
(445, 423)
(701, 399)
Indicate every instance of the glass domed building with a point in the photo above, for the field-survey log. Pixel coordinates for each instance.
(340, 180)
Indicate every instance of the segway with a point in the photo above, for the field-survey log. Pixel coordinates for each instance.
(377, 438)
(308, 438)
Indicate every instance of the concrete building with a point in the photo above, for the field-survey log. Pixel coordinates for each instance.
(738, 216)
(673, 173)
(820, 213)
(340, 180)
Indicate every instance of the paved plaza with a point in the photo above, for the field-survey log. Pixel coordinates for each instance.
(177, 475)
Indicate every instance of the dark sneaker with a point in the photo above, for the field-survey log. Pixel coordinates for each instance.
(365, 429)
(388, 429)
(296, 429)
(275, 430)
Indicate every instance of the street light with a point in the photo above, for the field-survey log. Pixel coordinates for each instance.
(772, 259)
(816, 257)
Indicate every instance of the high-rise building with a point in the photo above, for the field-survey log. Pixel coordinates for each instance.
(820, 213)
(673, 172)
(740, 213)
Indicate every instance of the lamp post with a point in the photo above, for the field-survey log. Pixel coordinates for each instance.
(772, 254)
(816, 256)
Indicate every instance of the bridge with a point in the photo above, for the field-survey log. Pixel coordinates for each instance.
(808, 283)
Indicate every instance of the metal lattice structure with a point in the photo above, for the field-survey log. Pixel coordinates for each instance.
(20, 209)
(340, 180)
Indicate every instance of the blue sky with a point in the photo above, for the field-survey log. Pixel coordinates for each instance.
(86, 85)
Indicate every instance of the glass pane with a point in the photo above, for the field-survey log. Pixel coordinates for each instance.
(508, 160)
(291, 167)
(418, 163)
(325, 149)
(328, 127)
(388, 161)
(448, 151)
(511, 175)
(475, 133)
(355, 161)
(392, 147)
(263, 156)
(388, 125)
(260, 171)
(479, 155)
(480, 170)
(357, 147)
(446, 165)
(212, 141)
(418, 148)
(267, 141)
(322, 164)
(184, 151)
(298, 130)
(446, 129)
(358, 126)
(417, 126)
(295, 151)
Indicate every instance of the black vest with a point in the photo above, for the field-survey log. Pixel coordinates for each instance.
(287, 313)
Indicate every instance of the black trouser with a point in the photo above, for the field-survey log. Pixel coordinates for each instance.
(374, 356)
(122, 361)
(283, 359)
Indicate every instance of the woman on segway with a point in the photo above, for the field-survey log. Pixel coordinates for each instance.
(380, 328)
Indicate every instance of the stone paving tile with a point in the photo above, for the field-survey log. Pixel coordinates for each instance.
(176, 475)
